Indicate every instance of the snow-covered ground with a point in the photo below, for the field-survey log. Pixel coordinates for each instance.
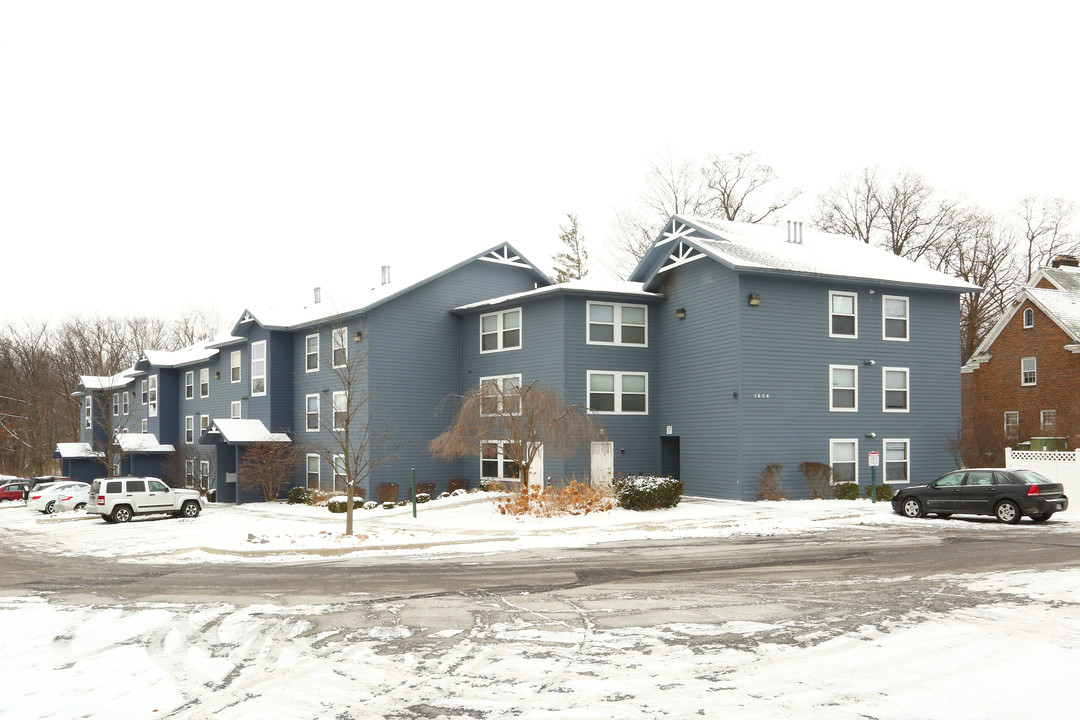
(1010, 650)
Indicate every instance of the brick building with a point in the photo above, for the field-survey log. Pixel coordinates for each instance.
(1021, 388)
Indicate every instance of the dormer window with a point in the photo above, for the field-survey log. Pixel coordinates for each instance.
(1029, 318)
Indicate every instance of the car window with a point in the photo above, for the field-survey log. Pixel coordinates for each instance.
(1032, 478)
(156, 486)
(1001, 478)
(950, 480)
(980, 477)
(114, 487)
(136, 486)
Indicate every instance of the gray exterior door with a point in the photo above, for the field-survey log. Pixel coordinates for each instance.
(669, 456)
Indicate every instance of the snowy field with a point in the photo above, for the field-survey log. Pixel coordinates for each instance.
(1010, 649)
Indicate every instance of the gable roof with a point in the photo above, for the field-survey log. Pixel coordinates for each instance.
(240, 432)
(1063, 278)
(195, 353)
(1061, 306)
(623, 288)
(90, 383)
(366, 300)
(141, 443)
(775, 249)
(76, 451)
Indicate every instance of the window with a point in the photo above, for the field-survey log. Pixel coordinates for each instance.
(235, 413)
(895, 469)
(617, 324)
(341, 409)
(843, 455)
(894, 320)
(312, 412)
(311, 352)
(1048, 419)
(145, 425)
(204, 382)
(234, 365)
(116, 403)
(152, 395)
(125, 403)
(204, 423)
(189, 472)
(143, 392)
(500, 331)
(895, 389)
(1029, 318)
(340, 349)
(189, 385)
(340, 479)
(1012, 423)
(616, 392)
(313, 471)
(258, 368)
(842, 314)
(204, 474)
(1027, 371)
(500, 395)
(189, 429)
(88, 412)
(494, 463)
(843, 388)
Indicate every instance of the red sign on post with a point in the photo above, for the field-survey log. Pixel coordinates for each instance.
(874, 458)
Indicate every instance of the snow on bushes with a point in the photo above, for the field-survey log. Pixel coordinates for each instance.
(647, 492)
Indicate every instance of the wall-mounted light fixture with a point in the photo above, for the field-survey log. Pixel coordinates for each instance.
(871, 363)
(217, 374)
(681, 313)
(871, 435)
(622, 450)
(754, 299)
(357, 337)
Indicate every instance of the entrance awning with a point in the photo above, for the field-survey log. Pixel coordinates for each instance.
(240, 432)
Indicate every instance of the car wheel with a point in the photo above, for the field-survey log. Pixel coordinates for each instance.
(121, 514)
(944, 516)
(190, 509)
(912, 508)
(1008, 512)
(1043, 517)
(80, 506)
(50, 507)
(4, 501)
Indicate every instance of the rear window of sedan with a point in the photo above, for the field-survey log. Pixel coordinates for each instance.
(1032, 478)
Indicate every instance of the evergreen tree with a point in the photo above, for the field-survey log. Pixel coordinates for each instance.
(572, 261)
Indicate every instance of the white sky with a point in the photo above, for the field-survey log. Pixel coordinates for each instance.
(156, 155)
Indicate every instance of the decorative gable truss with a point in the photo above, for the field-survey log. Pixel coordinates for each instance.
(505, 256)
(681, 254)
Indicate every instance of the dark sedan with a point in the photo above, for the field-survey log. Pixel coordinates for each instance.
(1006, 494)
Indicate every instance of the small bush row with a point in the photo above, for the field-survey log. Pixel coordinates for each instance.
(647, 492)
(574, 499)
(819, 479)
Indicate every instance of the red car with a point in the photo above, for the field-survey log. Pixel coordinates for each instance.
(13, 491)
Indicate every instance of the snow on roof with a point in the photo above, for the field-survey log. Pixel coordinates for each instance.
(76, 450)
(601, 287)
(1062, 305)
(1064, 277)
(245, 431)
(197, 352)
(766, 247)
(141, 443)
(107, 382)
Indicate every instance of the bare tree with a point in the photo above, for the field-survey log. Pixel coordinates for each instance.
(518, 421)
(1045, 229)
(267, 467)
(916, 222)
(731, 181)
(571, 263)
(194, 324)
(850, 207)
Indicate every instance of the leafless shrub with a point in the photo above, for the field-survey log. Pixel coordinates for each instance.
(768, 483)
(818, 479)
(267, 467)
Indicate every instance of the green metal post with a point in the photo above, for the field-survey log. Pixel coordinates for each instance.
(414, 492)
(873, 486)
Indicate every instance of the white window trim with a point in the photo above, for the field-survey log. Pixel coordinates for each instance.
(307, 471)
(236, 373)
(855, 308)
(308, 353)
(116, 404)
(318, 413)
(236, 410)
(907, 318)
(343, 334)
(833, 408)
(204, 423)
(1016, 427)
(189, 429)
(499, 330)
(144, 424)
(189, 385)
(334, 408)
(88, 412)
(834, 441)
(125, 403)
(885, 460)
(152, 405)
(338, 463)
(204, 473)
(618, 392)
(145, 393)
(204, 372)
(1029, 312)
(616, 319)
(189, 471)
(265, 362)
(907, 389)
(501, 380)
(1034, 369)
(501, 459)
(1042, 418)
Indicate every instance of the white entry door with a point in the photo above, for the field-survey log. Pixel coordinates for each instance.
(603, 462)
(536, 470)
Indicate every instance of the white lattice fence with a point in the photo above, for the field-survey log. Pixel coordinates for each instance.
(1059, 466)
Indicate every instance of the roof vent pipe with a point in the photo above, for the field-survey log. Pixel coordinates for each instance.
(800, 233)
(385, 274)
(318, 295)
(789, 231)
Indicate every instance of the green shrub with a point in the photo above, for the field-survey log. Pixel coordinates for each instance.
(422, 498)
(647, 492)
(884, 492)
(297, 495)
(846, 491)
(337, 505)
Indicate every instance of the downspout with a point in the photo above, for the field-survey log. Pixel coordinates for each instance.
(461, 377)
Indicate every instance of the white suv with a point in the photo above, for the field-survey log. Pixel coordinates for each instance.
(118, 499)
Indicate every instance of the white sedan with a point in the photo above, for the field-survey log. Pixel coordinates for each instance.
(58, 496)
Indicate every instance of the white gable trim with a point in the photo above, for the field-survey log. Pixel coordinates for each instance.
(680, 255)
(503, 257)
(1018, 302)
